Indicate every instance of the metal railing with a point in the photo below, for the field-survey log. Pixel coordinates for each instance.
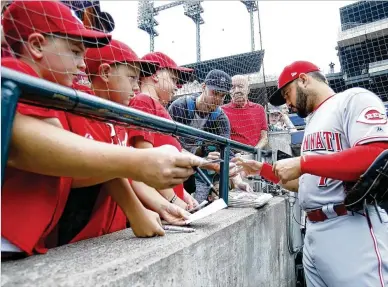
(20, 87)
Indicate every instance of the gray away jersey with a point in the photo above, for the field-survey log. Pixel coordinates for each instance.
(353, 117)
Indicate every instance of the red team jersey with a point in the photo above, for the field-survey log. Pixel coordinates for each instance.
(106, 216)
(31, 203)
(149, 105)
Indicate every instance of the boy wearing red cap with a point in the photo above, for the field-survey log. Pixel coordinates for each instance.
(114, 72)
(90, 210)
(39, 49)
(45, 37)
(156, 91)
(163, 84)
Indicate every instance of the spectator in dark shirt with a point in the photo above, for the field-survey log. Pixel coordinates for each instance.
(202, 111)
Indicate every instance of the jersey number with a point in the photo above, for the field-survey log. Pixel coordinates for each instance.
(322, 181)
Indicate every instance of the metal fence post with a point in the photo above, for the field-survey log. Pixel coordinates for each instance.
(9, 98)
(224, 176)
(257, 157)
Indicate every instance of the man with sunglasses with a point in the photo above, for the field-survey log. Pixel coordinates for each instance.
(202, 111)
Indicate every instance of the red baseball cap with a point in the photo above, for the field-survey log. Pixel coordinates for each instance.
(22, 18)
(289, 74)
(165, 62)
(116, 52)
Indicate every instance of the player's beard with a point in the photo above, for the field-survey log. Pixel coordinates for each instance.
(301, 103)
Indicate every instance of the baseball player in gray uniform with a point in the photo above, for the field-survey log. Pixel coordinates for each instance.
(344, 134)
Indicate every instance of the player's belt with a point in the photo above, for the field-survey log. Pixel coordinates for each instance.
(326, 212)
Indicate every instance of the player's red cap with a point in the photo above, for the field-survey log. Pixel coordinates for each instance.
(165, 62)
(116, 52)
(289, 74)
(22, 18)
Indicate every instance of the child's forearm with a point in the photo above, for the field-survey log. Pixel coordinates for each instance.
(169, 195)
(122, 193)
(149, 196)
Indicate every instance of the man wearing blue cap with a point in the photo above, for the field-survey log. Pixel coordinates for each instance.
(202, 111)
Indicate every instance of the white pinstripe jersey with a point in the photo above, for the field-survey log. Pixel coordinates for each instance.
(353, 117)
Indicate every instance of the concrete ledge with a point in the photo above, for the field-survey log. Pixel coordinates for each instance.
(234, 247)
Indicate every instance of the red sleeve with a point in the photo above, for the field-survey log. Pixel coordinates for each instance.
(179, 191)
(347, 165)
(137, 132)
(43, 113)
(37, 111)
(25, 109)
(145, 104)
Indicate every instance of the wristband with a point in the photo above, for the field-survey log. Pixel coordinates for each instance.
(267, 173)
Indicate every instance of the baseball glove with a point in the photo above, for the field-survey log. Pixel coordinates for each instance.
(372, 185)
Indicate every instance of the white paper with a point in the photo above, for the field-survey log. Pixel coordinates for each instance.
(217, 205)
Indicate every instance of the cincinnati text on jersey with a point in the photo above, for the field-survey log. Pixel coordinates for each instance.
(322, 140)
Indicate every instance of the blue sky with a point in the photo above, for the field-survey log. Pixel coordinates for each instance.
(291, 30)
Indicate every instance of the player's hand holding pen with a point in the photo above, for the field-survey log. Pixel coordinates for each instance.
(288, 169)
(213, 163)
(247, 167)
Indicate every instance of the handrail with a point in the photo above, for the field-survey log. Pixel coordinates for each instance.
(43, 93)
(39, 92)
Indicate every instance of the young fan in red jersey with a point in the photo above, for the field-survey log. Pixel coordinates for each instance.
(34, 194)
(40, 52)
(114, 72)
(90, 210)
(156, 91)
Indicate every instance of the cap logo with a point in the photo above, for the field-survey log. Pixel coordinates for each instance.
(293, 74)
(75, 16)
(223, 79)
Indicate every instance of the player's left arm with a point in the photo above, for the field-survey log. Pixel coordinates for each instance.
(365, 128)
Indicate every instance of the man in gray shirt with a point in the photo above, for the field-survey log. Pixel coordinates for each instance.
(202, 111)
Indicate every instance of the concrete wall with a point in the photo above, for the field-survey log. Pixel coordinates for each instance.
(281, 141)
(234, 247)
